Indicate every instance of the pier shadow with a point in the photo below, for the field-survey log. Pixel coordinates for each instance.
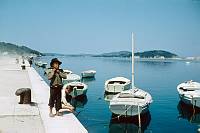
(129, 124)
(188, 112)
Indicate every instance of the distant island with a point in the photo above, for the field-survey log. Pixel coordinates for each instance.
(146, 54)
(13, 49)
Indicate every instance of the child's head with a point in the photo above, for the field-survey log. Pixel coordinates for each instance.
(68, 89)
(56, 65)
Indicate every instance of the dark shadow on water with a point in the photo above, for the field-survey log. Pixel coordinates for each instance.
(129, 124)
(188, 112)
(79, 101)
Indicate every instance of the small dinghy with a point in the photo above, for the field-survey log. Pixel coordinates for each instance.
(41, 64)
(189, 93)
(117, 84)
(71, 78)
(88, 74)
(131, 102)
(78, 88)
(67, 71)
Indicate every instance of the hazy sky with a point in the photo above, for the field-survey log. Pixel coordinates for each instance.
(99, 26)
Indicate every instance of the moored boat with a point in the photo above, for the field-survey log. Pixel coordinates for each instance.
(117, 84)
(189, 93)
(78, 88)
(88, 74)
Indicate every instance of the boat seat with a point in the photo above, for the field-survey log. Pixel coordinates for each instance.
(189, 88)
(78, 87)
(128, 95)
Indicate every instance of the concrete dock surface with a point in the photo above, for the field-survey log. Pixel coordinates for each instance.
(32, 118)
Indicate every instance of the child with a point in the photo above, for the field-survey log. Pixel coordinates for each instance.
(55, 75)
(66, 97)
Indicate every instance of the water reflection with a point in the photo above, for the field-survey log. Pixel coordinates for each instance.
(88, 80)
(156, 62)
(188, 112)
(129, 124)
(79, 101)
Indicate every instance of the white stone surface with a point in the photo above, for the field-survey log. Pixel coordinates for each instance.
(15, 118)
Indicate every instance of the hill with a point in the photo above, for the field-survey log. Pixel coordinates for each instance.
(13, 49)
(146, 54)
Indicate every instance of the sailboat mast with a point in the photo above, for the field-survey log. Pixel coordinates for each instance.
(133, 84)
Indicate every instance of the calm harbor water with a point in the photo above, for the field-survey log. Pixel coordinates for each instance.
(159, 78)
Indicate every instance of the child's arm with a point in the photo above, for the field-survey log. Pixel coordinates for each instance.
(62, 74)
(50, 74)
(63, 97)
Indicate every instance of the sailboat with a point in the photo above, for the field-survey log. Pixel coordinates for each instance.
(131, 102)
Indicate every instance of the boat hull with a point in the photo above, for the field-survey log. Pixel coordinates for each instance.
(195, 101)
(88, 75)
(128, 110)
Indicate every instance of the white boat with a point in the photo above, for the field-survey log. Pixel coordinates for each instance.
(71, 78)
(88, 74)
(117, 84)
(189, 93)
(41, 64)
(67, 71)
(131, 102)
(78, 88)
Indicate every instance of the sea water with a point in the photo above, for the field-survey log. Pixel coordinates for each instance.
(160, 78)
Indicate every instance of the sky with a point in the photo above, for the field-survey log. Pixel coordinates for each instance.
(100, 26)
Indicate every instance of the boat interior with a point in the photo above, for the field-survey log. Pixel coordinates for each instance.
(78, 86)
(129, 95)
(119, 82)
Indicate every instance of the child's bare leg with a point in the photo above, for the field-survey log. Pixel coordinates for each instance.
(50, 112)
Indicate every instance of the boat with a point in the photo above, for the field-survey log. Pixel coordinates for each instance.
(189, 93)
(41, 64)
(67, 71)
(71, 78)
(88, 74)
(78, 88)
(117, 84)
(131, 102)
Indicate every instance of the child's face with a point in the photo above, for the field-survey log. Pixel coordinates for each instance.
(56, 65)
(68, 91)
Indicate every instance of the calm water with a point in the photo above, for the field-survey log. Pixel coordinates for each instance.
(157, 77)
